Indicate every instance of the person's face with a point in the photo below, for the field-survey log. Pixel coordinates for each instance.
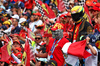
(61, 19)
(28, 11)
(15, 44)
(36, 17)
(25, 17)
(14, 22)
(7, 25)
(38, 39)
(95, 12)
(5, 18)
(32, 18)
(14, 12)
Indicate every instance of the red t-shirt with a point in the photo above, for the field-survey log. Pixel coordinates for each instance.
(57, 54)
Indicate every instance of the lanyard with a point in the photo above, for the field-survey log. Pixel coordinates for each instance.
(76, 32)
(53, 47)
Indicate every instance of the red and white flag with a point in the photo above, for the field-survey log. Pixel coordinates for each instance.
(76, 49)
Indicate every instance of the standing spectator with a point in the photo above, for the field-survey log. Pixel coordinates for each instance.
(37, 22)
(93, 59)
(58, 41)
(82, 27)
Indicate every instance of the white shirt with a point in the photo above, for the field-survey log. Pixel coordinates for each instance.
(93, 59)
(32, 25)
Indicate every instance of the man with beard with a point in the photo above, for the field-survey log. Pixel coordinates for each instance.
(36, 22)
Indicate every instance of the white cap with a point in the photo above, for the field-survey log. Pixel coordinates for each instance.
(15, 16)
(22, 20)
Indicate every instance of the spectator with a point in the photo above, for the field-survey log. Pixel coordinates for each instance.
(92, 60)
(37, 22)
(15, 28)
(6, 17)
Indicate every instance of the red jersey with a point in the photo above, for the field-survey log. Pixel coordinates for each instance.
(57, 54)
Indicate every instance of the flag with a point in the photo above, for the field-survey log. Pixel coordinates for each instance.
(60, 4)
(26, 54)
(46, 30)
(29, 4)
(5, 52)
(76, 49)
(30, 35)
(87, 12)
(47, 10)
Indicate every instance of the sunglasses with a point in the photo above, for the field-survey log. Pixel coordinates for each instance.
(37, 38)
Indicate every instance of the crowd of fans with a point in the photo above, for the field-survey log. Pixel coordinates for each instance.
(15, 20)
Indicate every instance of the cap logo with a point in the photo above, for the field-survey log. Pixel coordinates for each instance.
(93, 40)
(58, 25)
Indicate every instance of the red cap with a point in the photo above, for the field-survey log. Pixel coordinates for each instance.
(39, 14)
(57, 26)
(18, 48)
(96, 8)
(16, 41)
(62, 16)
(97, 4)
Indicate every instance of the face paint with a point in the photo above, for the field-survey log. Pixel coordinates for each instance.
(57, 34)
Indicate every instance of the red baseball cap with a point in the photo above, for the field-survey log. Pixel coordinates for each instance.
(57, 26)
(96, 8)
(62, 15)
(39, 14)
(97, 4)
(18, 48)
(16, 41)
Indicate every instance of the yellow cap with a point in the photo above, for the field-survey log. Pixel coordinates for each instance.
(6, 23)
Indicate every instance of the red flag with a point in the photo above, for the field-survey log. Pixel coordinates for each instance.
(5, 52)
(46, 30)
(29, 4)
(47, 10)
(87, 12)
(26, 54)
(76, 49)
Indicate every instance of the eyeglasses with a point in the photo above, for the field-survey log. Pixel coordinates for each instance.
(37, 38)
